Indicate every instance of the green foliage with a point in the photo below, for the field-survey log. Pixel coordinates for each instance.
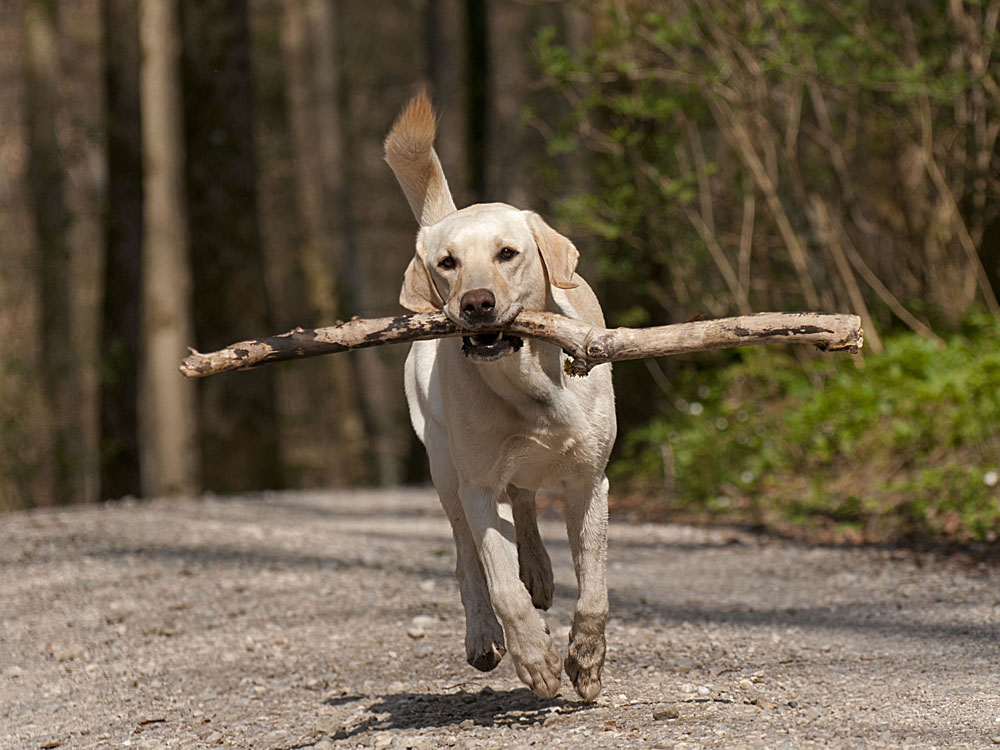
(716, 137)
(906, 443)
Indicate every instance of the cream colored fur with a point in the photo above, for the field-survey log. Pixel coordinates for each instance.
(497, 431)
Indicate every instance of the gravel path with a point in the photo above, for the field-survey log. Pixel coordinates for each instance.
(329, 620)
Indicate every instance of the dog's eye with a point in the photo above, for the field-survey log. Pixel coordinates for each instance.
(447, 263)
(506, 253)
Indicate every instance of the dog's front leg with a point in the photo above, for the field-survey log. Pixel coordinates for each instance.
(587, 524)
(484, 644)
(490, 520)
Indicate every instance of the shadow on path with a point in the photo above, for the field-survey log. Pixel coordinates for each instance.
(487, 708)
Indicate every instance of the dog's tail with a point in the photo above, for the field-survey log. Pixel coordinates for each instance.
(409, 149)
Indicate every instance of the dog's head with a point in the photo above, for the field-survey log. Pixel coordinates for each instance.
(482, 265)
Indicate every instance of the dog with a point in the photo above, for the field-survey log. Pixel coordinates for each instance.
(500, 418)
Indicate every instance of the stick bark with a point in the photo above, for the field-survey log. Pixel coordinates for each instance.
(586, 345)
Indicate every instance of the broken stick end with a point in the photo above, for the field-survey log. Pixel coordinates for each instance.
(851, 344)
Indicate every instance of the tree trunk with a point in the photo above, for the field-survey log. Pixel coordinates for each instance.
(313, 109)
(123, 227)
(360, 290)
(46, 185)
(479, 94)
(239, 437)
(448, 73)
(508, 162)
(167, 417)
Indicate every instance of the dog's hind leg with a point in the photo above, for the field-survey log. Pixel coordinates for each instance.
(532, 558)
(587, 524)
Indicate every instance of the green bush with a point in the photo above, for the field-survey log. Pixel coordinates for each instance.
(902, 444)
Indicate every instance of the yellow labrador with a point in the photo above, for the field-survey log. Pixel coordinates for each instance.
(500, 418)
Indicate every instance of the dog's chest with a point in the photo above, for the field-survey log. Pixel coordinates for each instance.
(541, 459)
(522, 422)
(550, 443)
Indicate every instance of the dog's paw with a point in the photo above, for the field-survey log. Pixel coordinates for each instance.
(536, 661)
(584, 662)
(486, 659)
(484, 647)
(537, 578)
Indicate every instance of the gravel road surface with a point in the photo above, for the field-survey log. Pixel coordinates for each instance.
(332, 620)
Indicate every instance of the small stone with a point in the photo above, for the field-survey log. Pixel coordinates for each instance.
(324, 744)
(422, 652)
(687, 687)
(663, 712)
(745, 684)
(329, 726)
(703, 690)
(683, 665)
(995, 740)
(14, 672)
(67, 653)
(382, 742)
(793, 704)
(419, 626)
(466, 724)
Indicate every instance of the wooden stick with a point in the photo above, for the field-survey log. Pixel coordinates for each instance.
(587, 345)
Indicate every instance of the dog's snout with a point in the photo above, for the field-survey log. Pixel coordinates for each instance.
(477, 305)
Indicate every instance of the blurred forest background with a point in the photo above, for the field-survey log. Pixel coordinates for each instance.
(195, 172)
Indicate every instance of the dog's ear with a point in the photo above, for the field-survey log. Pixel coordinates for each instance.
(559, 255)
(419, 294)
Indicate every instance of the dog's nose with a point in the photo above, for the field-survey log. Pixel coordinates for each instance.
(477, 305)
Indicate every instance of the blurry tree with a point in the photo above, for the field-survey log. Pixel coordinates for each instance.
(167, 416)
(309, 47)
(507, 155)
(24, 444)
(121, 316)
(46, 184)
(449, 74)
(239, 436)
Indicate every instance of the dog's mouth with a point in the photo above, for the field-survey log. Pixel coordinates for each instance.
(488, 347)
